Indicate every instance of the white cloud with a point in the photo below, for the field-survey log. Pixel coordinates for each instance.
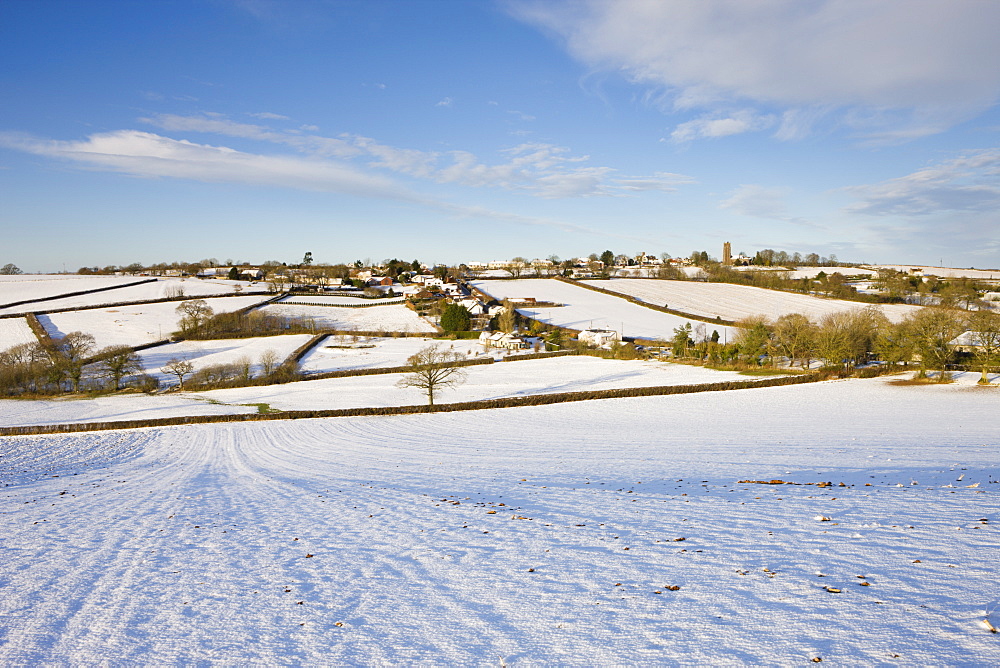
(146, 154)
(968, 183)
(711, 128)
(543, 170)
(149, 155)
(760, 202)
(401, 160)
(521, 116)
(268, 116)
(951, 208)
(446, 102)
(662, 181)
(757, 201)
(213, 124)
(930, 63)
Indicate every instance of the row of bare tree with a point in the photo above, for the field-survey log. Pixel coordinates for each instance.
(64, 364)
(928, 338)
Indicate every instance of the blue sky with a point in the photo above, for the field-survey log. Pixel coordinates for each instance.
(476, 130)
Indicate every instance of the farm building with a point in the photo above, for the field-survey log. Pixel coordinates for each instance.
(599, 337)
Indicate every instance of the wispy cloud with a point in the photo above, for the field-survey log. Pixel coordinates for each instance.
(268, 116)
(886, 66)
(446, 102)
(711, 128)
(520, 116)
(662, 181)
(760, 202)
(542, 170)
(967, 183)
(314, 144)
(953, 205)
(148, 155)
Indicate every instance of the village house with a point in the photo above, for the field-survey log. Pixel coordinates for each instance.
(474, 306)
(599, 337)
(503, 340)
(251, 274)
(427, 280)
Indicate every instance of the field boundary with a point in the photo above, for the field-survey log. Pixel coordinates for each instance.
(139, 302)
(639, 302)
(394, 302)
(304, 349)
(38, 329)
(78, 293)
(506, 402)
(375, 371)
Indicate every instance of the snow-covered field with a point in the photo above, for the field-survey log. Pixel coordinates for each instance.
(340, 352)
(133, 325)
(167, 287)
(734, 302)
(813, 272)
(340, 300)
(584, 309)
(219, 351)
(599, 533)
(14, 332)
(37, 286)
(17, 412)
(388, 318)
(504, 379)
(943, 272)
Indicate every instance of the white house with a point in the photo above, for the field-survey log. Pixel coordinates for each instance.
(599, 337)
(428, 280)
(473, 306)
(502, 340)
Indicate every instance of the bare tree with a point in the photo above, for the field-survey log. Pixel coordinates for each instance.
(193, 313)
(178, 367)
(433, 369)
(268, 362)
(24, 368)
(846, 337)
(545, 268)
(175, 291)
(753, 337)
(894, 344)
(277, 284)
(245, 366)
(932, 330)
(117, 362)
(72, 350)
(507, 320)
(516, 267)
(795, 338)
(984, 327)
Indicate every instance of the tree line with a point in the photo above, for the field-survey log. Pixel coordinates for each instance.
(926, 339)
(70, 364)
